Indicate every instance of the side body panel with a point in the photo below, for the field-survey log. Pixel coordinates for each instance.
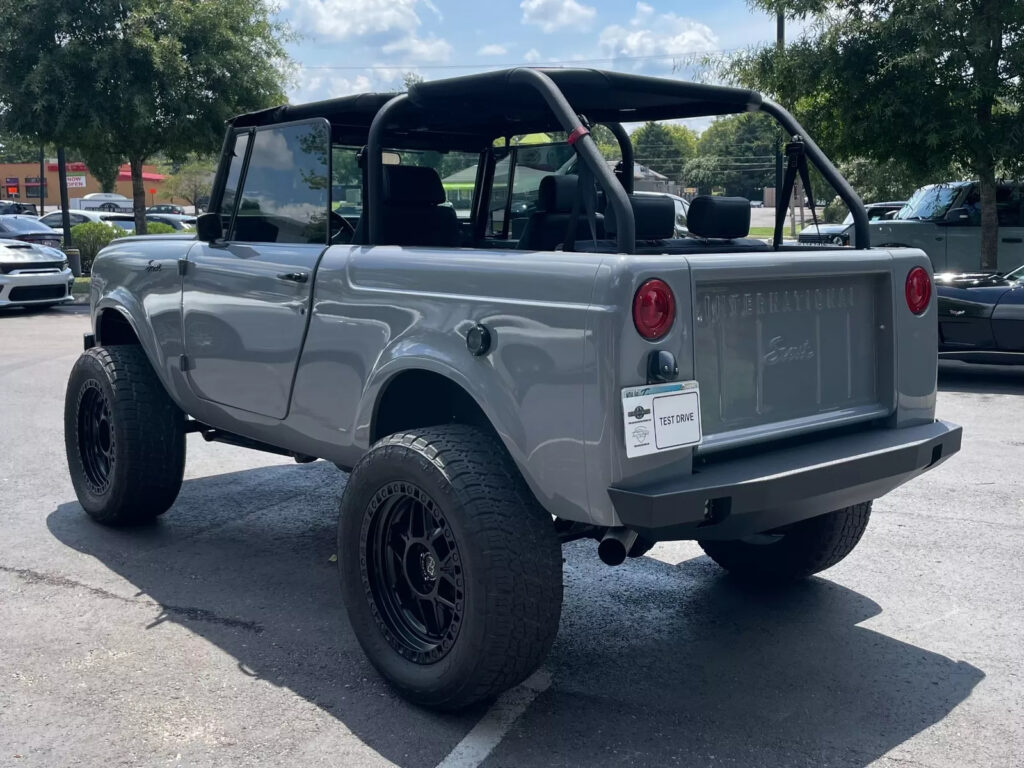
(379, 311)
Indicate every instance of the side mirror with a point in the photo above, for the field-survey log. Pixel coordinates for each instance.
(208, 227)
(958, 216)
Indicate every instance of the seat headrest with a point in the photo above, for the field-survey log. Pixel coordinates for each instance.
(719, 218)
(654, 217)
(412, 185)
(557, 194)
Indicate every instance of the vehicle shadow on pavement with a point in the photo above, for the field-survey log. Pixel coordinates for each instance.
(978, 379)
(654, 663)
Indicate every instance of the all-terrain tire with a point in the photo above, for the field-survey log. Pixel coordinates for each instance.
(496, 558)
(124, 437)
(798, 550)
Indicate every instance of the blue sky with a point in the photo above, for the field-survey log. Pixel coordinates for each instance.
(352, 46)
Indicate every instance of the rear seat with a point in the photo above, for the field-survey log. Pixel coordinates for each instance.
(716, 225)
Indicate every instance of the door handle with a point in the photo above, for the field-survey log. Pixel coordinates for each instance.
(294, 277)
(958, 312)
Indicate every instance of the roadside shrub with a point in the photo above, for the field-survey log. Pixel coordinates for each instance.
(159, 228)
(90, 238)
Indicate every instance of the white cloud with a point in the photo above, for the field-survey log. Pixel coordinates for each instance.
(651, 34)
(552, 15)
(346, 19)
(431, 49)
(492, 49)
(532, 56)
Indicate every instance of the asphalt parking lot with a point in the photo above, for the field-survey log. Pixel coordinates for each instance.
(216, 637)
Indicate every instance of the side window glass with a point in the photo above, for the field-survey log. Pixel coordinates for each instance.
(285, 190)
(227, 204)
(499, 193)
(528, 164)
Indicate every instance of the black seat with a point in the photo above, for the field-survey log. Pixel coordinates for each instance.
(654, 221)
(546, 228)
(413, 212)
(719, 218)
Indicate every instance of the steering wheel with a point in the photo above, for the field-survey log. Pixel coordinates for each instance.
(339, 226)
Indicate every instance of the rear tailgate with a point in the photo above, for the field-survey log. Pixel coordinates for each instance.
(790, 343)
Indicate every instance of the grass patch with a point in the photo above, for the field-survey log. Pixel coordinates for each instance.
(762, 231)
(81, 286)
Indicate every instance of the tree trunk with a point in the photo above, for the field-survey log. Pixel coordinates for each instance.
(138, 194)
(989, 219)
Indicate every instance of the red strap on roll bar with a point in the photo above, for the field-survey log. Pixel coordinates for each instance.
(576, 134)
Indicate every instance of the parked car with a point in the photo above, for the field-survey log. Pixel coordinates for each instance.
(166, 208)
(944, 221)
(33, 275)
(29, 229)
(125, 221)
(840, 234)
(173, 220)
(981, 317)
(16, 206)
(494, 400)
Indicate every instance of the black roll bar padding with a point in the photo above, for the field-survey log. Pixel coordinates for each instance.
(375, 164)
(585, 147)
(626, 148)
(862, 238)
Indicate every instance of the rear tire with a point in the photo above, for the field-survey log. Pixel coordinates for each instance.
(794, 552)
(450, 570)
(124, 437)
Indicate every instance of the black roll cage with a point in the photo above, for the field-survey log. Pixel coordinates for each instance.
(437, 109)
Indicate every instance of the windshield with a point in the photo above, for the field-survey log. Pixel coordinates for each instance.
(1017, 274)
(929, 203)
(127, 223)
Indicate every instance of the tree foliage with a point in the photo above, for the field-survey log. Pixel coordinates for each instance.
(738, 153)
(192, 181)
(664, 147)
(928, 87)
(142, 75)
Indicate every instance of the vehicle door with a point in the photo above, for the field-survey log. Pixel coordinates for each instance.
(246, 298)
(1010, 210)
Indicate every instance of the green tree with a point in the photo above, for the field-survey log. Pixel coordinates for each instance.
(192, 180)
(664, 147)
(743, 148)
(104, 162)
(17, 149)
(140, 75)
(927, 86)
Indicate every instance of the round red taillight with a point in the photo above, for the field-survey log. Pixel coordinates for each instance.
(654, 309)
(919, 290)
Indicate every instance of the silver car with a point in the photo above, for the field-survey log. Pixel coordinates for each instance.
(33, 275)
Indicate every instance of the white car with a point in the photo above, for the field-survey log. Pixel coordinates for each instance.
(33, 275)
(125, 221)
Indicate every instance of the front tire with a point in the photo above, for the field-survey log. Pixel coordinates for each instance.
(124, 437)
(450, 570)
(794, 552)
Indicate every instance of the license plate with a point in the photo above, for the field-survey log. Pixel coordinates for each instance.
(661, 417)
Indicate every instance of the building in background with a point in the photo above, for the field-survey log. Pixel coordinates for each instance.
(21, 182)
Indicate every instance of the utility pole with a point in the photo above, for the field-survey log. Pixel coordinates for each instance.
(62, 182)
(42, 179)
(780, 44)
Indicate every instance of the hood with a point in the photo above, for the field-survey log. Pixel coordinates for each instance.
(825, 229)
(19, 252)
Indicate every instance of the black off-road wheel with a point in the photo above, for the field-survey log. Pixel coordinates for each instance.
(794, 552)
(124, 437)
(450, 570)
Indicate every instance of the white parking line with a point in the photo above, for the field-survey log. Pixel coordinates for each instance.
(488, 733)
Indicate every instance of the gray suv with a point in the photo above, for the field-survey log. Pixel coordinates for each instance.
(597, 377)
(944, 221)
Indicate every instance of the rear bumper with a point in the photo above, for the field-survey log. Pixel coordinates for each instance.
(739, 497)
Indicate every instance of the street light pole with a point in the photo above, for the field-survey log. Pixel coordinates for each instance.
(780, 44)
